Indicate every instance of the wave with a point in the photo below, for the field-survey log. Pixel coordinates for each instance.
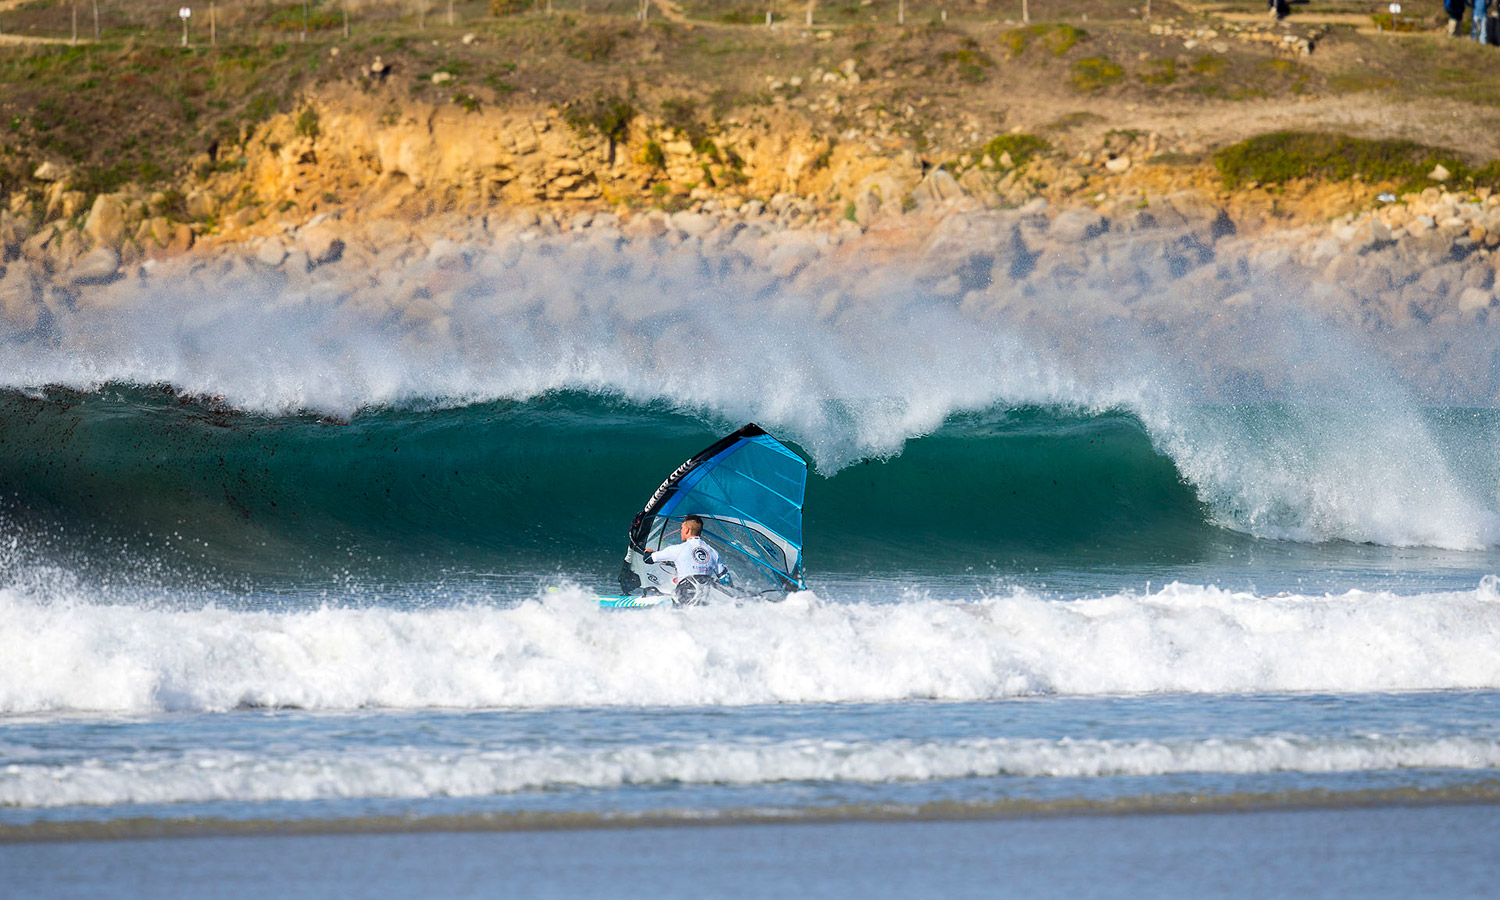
(549, 484)
(614, 361)
(209, 776)
(561, 651)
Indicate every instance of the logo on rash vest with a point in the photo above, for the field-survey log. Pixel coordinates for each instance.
(700, 554)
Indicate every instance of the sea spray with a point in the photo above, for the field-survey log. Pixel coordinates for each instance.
(1285, 423)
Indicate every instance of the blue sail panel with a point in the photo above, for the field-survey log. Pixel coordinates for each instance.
(748, 488)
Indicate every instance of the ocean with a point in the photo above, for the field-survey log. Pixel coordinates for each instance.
(277, 570)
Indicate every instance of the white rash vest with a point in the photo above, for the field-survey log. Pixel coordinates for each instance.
(691, 557)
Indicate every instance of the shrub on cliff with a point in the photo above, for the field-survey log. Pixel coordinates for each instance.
(1058, 39)
(1285, 155)
(1096, 73)
(1021, 147)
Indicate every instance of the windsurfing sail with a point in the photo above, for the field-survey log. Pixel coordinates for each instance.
(748, 489)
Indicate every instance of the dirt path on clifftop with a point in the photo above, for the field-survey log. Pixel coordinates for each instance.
(1427, 121)
(672, 12)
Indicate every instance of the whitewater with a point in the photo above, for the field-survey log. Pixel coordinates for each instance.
(560, 651)
(268, 557)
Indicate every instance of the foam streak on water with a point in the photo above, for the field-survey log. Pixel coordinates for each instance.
(207, 776)
(560, 651)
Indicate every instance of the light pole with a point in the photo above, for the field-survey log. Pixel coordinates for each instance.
(184, 13)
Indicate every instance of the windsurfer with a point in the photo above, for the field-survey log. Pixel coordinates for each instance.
(695, 562)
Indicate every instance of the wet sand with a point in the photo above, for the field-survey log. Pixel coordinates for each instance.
(1439, 851)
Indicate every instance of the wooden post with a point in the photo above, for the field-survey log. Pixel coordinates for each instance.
(304, 20)
(98, 35)
(74, 7)
(810, 12)
(346, 20)
(1025, 13)
(901, 12)
(450, 10)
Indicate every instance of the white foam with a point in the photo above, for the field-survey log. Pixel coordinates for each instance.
(562, 651)
(202, 776)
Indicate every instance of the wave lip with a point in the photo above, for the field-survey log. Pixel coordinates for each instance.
(408, 773)
(562, 651)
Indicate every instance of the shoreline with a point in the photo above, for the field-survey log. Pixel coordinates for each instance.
(56, 831)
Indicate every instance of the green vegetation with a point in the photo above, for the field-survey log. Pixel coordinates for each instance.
(1162, 70)
(1286, 155)
(1208, 64)
(307, 123)
(1095, 73)
(652, 155)
(1361, 78)
(971, 64)
(1021, 147)
(1392, 22)
(608, 116)
(591, 44)
(289, 18)
(1058, 38)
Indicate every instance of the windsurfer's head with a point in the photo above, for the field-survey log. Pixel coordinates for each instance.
(692, 526)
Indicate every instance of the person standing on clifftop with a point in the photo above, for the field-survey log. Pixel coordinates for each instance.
(1455, 11)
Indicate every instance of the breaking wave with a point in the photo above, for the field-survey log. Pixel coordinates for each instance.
(561, 651)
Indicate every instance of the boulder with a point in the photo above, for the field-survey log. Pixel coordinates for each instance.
(98, 266)
(182, 239)
(446, 255)
(199, 205)
(938, 187)
(321, 243)
(1078, 225)
(695, 224)
(790, 257)
(105, 225)
(1472, 300)
(270, 253)
(1369, 234)
(19, 290)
